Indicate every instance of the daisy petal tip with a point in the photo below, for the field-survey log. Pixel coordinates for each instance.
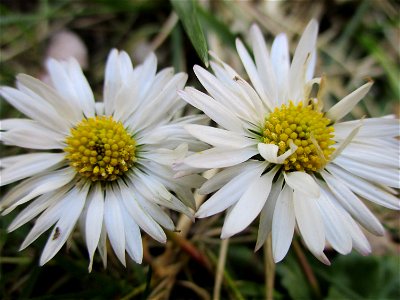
(365, 252)
(90, 266)
(257, 247)
(44, 259)
(278, 258)
(322, 258)
(325, 261)
(226, 234)
(254, 28)
(314, 23)
(200, 214)
(181, 93)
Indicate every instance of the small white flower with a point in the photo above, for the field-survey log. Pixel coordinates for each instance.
(285, 159)
(106, 164)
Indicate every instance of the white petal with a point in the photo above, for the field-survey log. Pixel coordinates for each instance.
(65, 224)
(102, 246)
(230, 193)
(270, 152)
(222, 93)
(156, 213)
(353, 205)
(250, 69)
(147, 74)
(32, 164)
(346, 142)
(154, 186)
(114, 223)
(48, 183)
(373, 157)
(216, 111)
(125, 64)
(41, 112)
(36, 207)
(82, 89)
(311, 226)
(249, 205)
(382, 175)
(281, 65)
(30, 134)
(219, 137)
(344, 106)
(371, 128)
(37, 88)
(94, 220)
(360, 242)
(302, 182)
(336, 228)
(283, 224)
(302, 60)
(364, 188)
(140, 216)
(166, 101)
(219, 157)
(256, 108)
(167, 157)
(112, 81)
(133, 238)
(224, 176)
(263, 63)
(267, 213)
(19, 191)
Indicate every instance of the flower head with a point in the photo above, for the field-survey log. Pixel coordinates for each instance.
(287, 159)
(106, 164)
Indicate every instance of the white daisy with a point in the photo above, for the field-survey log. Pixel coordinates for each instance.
(106, 164)
(285, 158)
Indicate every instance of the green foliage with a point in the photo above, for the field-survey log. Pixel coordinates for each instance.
(357, 277)
(187, 12)
(293, 279)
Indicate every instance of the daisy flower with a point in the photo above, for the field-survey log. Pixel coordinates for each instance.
(285, 158)
(104, 165)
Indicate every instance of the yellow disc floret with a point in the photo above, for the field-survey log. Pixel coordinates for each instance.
(307, 128)
(100, 148)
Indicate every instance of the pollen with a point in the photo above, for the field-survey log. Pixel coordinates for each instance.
(100, 148)
(308, 129)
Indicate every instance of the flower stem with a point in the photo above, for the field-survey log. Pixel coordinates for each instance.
(269, 269)
(308, 272)
(220, 269)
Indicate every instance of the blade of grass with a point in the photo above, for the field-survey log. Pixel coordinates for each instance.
(220, 269)
(390, 67)
(186, 10)
(228, 279)
(178, 55)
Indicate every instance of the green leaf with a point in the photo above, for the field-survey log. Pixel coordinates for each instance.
(293, 279)
(187, 13)
(391, 67)
(359, 277)
(178, 55)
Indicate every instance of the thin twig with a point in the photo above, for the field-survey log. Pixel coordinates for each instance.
(220, 269)
(165, 31)
(308, 272)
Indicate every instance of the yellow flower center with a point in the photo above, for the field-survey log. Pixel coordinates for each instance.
(307, 128)
(100, 148)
